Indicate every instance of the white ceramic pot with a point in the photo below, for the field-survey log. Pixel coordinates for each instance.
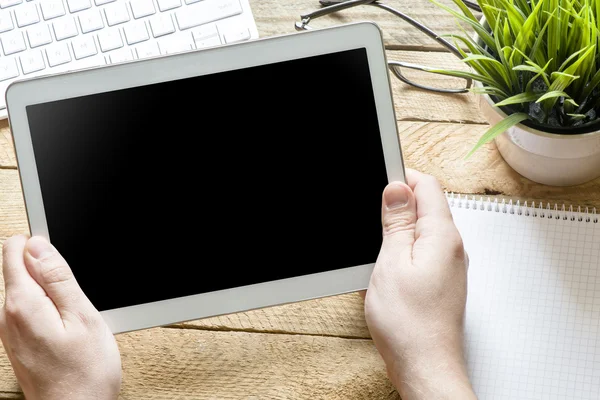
(547, 158)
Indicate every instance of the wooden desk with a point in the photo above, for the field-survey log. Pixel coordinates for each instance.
(318, 349)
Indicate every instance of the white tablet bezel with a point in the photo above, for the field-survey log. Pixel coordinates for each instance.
(195, 63)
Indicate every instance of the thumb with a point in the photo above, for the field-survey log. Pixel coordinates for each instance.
(399, 215)
(53, 274)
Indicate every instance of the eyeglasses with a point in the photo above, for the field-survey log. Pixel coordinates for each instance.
(332, 6)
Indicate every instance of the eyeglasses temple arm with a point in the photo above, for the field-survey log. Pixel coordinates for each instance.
(473, 6)
(396, 71)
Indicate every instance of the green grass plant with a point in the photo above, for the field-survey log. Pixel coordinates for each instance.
(538, 60)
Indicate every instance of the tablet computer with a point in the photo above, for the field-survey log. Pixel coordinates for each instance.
(214, 181)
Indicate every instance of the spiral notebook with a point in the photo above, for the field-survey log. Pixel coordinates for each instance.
(532, 327)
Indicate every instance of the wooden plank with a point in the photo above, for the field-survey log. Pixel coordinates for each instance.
(13, 219)
(7, 153)
(189, 364)
(341, 316)
(275, 17)
(11, 396)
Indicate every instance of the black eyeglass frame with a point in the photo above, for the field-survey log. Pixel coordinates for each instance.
(332, 6)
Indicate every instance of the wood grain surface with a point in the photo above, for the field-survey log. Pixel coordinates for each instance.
(168, 363)
(318, 349)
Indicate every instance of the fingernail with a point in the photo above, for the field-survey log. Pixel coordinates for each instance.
(396, 195)
(39, 247)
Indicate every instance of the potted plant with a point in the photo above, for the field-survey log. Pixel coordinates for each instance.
(536, 65)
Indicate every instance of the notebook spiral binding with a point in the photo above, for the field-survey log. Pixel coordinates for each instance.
(527, 210)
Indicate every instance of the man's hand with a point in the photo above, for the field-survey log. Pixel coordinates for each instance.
(57, 342)
(415, 303)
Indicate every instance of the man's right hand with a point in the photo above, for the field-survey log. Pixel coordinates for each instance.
(416, 299)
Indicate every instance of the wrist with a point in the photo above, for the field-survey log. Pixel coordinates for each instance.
(432, 375)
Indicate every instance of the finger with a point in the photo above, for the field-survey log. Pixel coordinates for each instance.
(26, 303)
(16, 277)
(399, 217)
(430, 198)
(412, 177)
(53, 274)
(363, 294)
(435, 226)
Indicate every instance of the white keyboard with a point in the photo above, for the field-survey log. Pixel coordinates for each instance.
(41, 37)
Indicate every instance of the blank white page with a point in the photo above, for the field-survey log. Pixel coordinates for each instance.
(532, 326)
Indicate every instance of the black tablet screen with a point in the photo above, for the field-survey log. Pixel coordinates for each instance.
(214, 182)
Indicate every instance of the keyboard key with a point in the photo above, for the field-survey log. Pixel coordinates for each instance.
(101, 2)
(206, 11)
(88, 62)
(116, 14)
(8, 68)
(207, 42)
(6, 23)
(110, 39)
(146, 50)
(65, 28)
(206, 36)
(84, 46)
(32, 61)
(52, 9)
(191, 1)
(9, 3)
(205, 31)
(58, 54)
(164, 5)
(236, 35)
(161, 25)
(142, 8)
(78, 5)
(12, 42)
(90, 20)
(120, 55)
(39, 35)
(27, 14)
(135, 32)
(175, 44)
